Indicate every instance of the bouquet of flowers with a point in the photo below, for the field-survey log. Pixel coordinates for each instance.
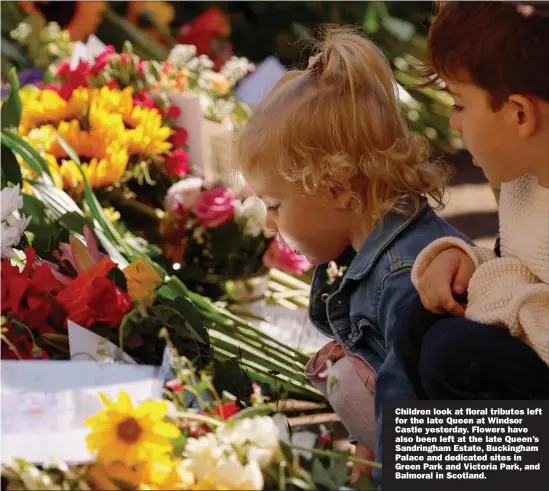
(165, 444)
(213, 235)
(184, 71)
(104, 112)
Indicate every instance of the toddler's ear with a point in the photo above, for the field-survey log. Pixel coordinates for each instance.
(343, 197)
(526, 114)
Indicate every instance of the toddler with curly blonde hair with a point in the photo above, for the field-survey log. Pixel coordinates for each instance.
(345, 182)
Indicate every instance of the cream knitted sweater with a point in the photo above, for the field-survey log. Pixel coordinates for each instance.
(511, 290)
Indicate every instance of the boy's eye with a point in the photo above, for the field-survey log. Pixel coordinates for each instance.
(457, 108)
(273, 207)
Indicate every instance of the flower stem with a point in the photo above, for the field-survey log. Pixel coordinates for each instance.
(336, 455)
(199, 417)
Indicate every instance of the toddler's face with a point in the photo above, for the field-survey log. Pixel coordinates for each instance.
(493, 137)
(308, 223)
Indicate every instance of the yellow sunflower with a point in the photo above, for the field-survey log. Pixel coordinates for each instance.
(79, 18)
(130, 435)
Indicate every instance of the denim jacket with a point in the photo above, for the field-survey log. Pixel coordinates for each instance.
(360, 309)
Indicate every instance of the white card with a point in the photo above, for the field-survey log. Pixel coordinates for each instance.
(45, 404)
(85, 345)
(259, 83)
(191, 119)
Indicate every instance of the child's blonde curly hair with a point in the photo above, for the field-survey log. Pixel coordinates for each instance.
(338, 123)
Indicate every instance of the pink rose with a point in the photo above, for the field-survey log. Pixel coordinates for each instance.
(177, 164)
(282, 257)
(179, 137)
(215, 207)
(183, 194)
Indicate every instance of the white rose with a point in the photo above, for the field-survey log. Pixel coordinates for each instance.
(182, 54)
(252, 213)
(184, 193)
(230, 473)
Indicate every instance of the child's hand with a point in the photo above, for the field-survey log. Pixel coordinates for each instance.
(361, 452)
(449, 273)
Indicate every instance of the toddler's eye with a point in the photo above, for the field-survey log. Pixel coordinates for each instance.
(273, 207)
(457, 108)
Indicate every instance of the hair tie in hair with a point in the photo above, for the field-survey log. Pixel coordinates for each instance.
(316, 63)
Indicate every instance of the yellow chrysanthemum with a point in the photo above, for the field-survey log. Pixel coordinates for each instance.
(39, 107)
(130, 435)
(102, 126)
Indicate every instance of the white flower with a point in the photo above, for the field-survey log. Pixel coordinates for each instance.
(205, 61)
(252, 213)
(21, 32)
(181, 54)
(10, 201)
(13, 226)
(232, 474)
(257, 436)
(184, 193)
(236, 68)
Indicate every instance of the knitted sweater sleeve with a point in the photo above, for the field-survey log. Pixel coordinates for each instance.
(478, 255)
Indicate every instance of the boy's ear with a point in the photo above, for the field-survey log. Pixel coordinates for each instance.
(525, 115)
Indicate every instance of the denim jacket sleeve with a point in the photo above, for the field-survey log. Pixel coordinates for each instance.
(392, 382)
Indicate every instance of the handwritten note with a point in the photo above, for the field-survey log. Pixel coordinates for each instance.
(44, 404)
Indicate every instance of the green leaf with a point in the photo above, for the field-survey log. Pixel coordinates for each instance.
(174, 319)
(371, 19)
(229, 376)
(9, 170)
(34, 208)
(18, 149)
(75, 222)
(399, 28)
(31, 150)
(252, 411)
(12, 107)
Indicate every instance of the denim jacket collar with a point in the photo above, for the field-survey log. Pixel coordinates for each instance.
(377, 242)
(358, 264)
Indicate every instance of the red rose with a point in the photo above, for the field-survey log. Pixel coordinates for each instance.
(64, 68)
(92, 297)
(179, 137)
(177, 164)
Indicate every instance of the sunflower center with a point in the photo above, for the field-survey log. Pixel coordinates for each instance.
(129, 430)
(53, 13)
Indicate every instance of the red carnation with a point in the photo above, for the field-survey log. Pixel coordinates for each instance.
(177, 164)
(179, 137)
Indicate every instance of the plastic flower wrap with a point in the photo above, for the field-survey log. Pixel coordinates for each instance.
(184, 71)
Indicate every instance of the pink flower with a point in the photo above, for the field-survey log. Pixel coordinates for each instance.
(102, 59)
(174, 112)
(125, 59)
(64, 68)
(215, 207)
(177, 164)
(282, 257)
(143, 99)
(183, 194)
(140, 67)
(179, 137)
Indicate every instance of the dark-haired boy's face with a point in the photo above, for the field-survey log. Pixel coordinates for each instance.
(493, 137)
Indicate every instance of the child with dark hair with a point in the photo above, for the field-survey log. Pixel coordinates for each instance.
(492, 57)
